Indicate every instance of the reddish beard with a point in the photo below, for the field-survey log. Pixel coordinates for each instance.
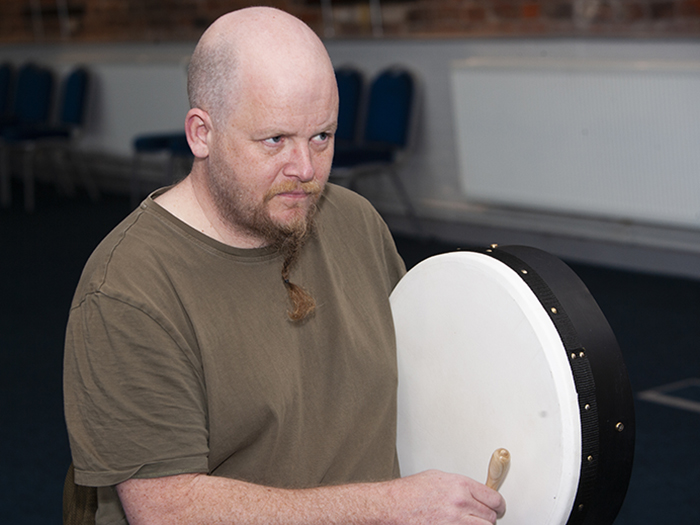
(288, 238)
(299, 226)
(241, 212)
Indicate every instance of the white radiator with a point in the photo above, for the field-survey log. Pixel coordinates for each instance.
(617, 140)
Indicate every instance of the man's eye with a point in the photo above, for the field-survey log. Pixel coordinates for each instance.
(274, 140)
(322, 137)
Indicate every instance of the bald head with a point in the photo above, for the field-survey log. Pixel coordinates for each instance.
(249, 48)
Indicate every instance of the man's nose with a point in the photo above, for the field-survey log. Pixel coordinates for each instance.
(300, 164)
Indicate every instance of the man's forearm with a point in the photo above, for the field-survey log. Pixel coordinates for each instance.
(429, 497)
(195, 499)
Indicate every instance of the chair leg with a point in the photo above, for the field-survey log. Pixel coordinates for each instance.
(403, 195)
(5, 177)
(60, 166)
(28, 177)
(85, 177)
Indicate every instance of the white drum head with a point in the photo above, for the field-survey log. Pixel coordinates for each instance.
(482, 366)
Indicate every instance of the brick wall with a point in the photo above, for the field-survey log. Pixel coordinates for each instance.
(153, 20)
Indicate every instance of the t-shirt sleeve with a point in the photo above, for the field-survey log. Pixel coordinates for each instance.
(134, 395)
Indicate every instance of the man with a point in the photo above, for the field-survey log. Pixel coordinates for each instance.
(230, 355)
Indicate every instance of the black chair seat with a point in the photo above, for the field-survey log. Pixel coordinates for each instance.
(350, 156)
(21, 133)
(173, 143)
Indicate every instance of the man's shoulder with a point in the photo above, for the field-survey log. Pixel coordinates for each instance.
(342, 196)
(125, 254)
(341, 203)
(351, 227)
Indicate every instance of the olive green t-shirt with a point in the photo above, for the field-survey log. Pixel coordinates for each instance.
(180, 357)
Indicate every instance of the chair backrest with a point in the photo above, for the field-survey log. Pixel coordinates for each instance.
(389, 108)
(350, 85)
(6, 72)
(32, 103)
(75, 89)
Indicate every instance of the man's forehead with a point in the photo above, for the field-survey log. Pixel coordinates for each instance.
(265, 119)
(291, 85)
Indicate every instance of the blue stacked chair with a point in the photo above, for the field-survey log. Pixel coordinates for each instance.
(6, 89)
(6, 78)
(350, 90)
(57, 136)
(30, 110)
(386, 138)
(62, 135)
(31, 104)
(72, 112)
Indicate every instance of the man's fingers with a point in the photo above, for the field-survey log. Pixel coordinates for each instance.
(491, 499)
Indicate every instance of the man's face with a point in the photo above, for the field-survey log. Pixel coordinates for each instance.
(271, 158)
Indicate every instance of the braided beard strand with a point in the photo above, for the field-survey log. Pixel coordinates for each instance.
(303, 304)
(288, 239)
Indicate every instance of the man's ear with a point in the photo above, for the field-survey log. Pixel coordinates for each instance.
(198, 127)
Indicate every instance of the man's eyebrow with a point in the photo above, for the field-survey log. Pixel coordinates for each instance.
(268, 132)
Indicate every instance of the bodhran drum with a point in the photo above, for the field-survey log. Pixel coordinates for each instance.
(507, 348)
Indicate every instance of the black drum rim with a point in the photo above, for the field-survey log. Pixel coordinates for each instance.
(606, 406)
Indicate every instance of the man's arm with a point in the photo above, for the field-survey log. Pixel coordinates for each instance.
(429, 497)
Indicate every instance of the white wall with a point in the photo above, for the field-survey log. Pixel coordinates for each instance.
(141, 87)
(434, 172)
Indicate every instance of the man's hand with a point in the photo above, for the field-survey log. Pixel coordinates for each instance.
(440, 498)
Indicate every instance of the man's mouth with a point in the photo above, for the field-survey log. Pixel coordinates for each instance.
(294, 191)
(298, 193)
